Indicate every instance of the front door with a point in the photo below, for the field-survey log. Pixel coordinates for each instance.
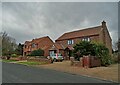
(67, 54)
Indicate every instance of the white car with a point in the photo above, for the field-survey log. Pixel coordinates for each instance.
(57, 57)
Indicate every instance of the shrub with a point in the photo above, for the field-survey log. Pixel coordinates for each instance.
(115, 58)
(38, 52)
(94, 49)
(84, 48)
(103, 53)
(13, 55)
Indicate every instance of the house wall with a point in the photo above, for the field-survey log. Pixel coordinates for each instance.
(46, 51)
(44, 45)
(94, 38)
(106, 39)
(103, 37)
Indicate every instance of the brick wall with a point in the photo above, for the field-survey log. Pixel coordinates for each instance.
(77, 40)
(105, 39)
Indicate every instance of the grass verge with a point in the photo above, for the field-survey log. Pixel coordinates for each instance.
(4, 60)
(32, 63)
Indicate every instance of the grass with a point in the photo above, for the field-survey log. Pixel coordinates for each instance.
(32, 63)
(24, 62)
(4, 60)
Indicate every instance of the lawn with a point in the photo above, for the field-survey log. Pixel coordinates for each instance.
(4, 60)
(25, 62)
(31, 63)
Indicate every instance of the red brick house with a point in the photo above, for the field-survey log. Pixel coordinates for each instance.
(43, 43)
(64, 44)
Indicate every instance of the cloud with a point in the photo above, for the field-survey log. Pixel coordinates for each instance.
(28, 20)
(0, 16)
(62, 1)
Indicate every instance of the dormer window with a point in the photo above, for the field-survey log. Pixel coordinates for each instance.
(70, 42)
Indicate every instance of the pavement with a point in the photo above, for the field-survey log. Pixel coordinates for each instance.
(16, 73)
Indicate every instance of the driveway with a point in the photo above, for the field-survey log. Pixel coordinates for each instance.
(107, 73)
(16, 73)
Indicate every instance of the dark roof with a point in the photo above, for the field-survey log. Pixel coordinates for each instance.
(80, 33)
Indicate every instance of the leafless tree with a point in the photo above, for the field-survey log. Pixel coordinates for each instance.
(8, 44)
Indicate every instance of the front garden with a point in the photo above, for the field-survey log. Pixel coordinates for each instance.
(35, 58)
(98, 50)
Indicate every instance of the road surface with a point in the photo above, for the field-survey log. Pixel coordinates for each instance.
(16, 73)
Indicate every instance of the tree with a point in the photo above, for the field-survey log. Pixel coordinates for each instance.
(84, 48)
(38, 52)
(19, 50)
(115, 46)
(8, 44)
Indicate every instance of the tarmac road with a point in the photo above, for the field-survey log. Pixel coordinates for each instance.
(16, 73)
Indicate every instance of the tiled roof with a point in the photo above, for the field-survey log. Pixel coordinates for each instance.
(57, 46)
(69, 47)
(44, 42)
(80, 33)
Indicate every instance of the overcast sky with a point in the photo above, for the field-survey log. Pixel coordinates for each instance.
(27, 20)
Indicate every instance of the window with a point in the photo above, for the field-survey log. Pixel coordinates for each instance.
(33, 45)
(70, 42)
(86, 39)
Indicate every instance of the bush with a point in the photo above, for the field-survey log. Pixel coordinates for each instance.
(83, 48)
(29, 55)
(94, 49)
(13, 55)
(115, 58)
(103, 53)
(38, 52)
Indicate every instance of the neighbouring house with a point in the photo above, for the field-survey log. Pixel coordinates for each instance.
(64, 44)
(43, 43)
(56, 48)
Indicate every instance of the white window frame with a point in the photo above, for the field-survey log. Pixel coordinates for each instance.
(86, 39)
(70, 42)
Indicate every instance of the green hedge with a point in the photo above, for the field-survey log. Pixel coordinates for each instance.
(38, 52)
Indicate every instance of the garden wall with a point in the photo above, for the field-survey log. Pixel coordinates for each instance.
(40, 60)
(86, 61)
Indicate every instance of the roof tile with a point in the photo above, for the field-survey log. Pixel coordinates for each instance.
(80, 33)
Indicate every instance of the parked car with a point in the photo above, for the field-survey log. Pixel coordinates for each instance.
(57, 57)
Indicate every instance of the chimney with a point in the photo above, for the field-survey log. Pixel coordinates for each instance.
(103, 24)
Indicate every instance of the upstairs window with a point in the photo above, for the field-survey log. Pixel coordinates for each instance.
(70, 42)
(86, 39)
(33, 45)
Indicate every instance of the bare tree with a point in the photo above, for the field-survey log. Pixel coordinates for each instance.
(8, 44)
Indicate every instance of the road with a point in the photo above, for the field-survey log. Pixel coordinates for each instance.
(16, 73)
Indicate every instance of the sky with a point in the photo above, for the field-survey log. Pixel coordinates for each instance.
(28, 20)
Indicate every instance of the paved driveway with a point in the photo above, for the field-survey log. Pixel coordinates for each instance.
(15, 73)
